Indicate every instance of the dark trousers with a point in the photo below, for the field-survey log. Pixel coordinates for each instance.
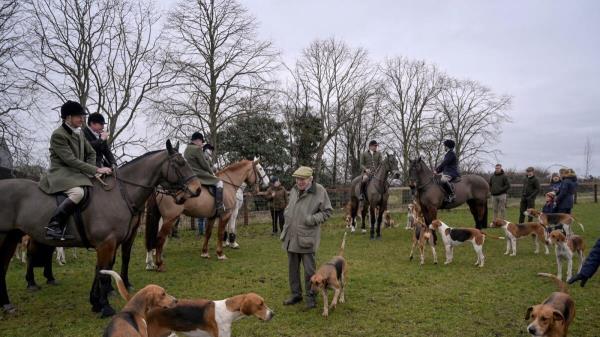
(525, 204)
(278, 219)
(308, 261)
(563, 210)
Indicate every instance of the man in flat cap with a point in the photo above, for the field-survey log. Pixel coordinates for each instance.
(308, 207)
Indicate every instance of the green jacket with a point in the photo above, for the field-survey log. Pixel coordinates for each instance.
(280, 200)
(303, 217)
(531, 188)
(195, 157)
(499, 184)
(72, 161)
(368, 161)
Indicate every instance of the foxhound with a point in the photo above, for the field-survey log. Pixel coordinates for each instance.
(518, 231)
(564, 247)
(332, 275)
(457, 236)
(553, 317)
(550, 220)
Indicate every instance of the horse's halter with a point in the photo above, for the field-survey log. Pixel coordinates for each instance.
(258, 177)
(415, 179)
(182, 184)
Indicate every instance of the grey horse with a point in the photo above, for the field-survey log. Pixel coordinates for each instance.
(376, 195)
(110, 219)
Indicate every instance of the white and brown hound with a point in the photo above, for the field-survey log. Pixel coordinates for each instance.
(550, 220)
(517, 231)
(332, 275)
(421, 236)
(457, 236)
(552, 317)
(564, 248)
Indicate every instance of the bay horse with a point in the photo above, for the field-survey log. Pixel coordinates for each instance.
(376, 195)
(472, 189)
(159, 208)
(110, 219)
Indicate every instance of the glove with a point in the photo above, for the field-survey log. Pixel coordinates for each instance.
(576, 278)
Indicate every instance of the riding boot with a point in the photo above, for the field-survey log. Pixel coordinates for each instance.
(449, 191)
(56, 227)
(219, 201)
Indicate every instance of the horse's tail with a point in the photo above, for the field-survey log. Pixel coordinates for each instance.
(120, 285)
(562, 287)
(341, 252)
(152, 222)
(492, 236)
(580, 224)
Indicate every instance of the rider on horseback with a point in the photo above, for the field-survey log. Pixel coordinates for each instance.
(72, 164)
(448, 169)
(196, 158)
(369, 162)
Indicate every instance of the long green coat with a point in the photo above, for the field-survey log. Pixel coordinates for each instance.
(303, 218)
(72, 161)
(195, 157)
(368, 161)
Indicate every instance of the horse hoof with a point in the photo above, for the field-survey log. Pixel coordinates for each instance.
(161, 268)
(52, 282)
(9, 309)
(410, 258)
(96, 308)
(150, 267)
(364, 231)
(222, 257)
(378, 237)
(33, 288)
(235, 245)
(107, 311)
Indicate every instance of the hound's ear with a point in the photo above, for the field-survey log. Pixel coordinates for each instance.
(177, 146)
(528, 313)
(255, 159)
(170, 147)
(558, 316)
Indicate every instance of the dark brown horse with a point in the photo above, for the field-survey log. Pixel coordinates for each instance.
(472, 189)
(110, 218)
(376, 195)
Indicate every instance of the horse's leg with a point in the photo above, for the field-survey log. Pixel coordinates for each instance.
(478, 209)
(125, 258)
(163, 235)
(8, 245)
(221, 231)
(364, 216)
(372, 220)
(430, 214)
(105, 253)
(47, 256)
(379, 220)
(353, 213)
(207, 234)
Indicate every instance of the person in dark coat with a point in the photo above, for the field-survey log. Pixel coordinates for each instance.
(499, 186)
(279, 199)
(448, 169)
(96, 136)
(590, 266)
(566, 194)
(531, 188)
(549, 205)
(555, 182)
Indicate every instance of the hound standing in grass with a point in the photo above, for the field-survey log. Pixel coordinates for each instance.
(457, 236)
(518, 231)
(564, 248)
(421, 236)
(332, 275)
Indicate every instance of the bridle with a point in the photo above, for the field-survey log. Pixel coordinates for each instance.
(258, 176)
(422, 186)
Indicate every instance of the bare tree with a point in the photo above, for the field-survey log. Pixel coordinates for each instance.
(220, 63)
(587, 155)
(332, 73)
(16, 93)
(103, 53)
(410, 91)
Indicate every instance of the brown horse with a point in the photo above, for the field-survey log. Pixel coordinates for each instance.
(376, 196)
(472, 189)
(109, 220)
(249, 171)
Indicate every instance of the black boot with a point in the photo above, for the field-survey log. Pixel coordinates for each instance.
(292, 300)
(219, 201)
(56, 227)
(449, 191)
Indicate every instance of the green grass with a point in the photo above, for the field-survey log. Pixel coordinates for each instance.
(387, 295)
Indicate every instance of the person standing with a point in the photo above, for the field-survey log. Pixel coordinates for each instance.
(278, 197)
(531, 188)
(499, 187)
(308, 208)
(566, 194)
(555, 182)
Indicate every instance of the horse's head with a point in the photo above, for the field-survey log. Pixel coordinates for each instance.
(177, 175)
(415, 168)
(260, 174)
(391, 162)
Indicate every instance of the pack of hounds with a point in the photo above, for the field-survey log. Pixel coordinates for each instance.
(153, 312)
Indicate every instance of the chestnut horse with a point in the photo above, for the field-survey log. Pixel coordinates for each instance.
(160, 208)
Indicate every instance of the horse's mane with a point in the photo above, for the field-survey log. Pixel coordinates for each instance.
(141, 157)
(234, 166)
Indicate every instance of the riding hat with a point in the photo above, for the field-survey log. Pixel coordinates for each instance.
(197, 135)
(96, 118)
(71, 108)
(449, 143)
(373, 142)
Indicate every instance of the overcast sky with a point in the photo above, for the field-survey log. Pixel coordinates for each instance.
(545, 54)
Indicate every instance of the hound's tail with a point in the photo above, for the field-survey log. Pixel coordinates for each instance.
(120, 285)
(492, 236)
(562, 287)
(341, 252)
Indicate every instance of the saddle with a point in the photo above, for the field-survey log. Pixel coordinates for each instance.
(76, 218)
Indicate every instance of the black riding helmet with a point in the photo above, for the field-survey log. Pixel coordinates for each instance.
(197, 135)
(449, 143)
(96, 118)
(373, 142)
(71, 108)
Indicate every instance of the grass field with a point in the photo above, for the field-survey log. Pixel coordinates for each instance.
(387, 295)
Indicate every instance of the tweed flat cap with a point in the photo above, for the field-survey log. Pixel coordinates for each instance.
(303, 172)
